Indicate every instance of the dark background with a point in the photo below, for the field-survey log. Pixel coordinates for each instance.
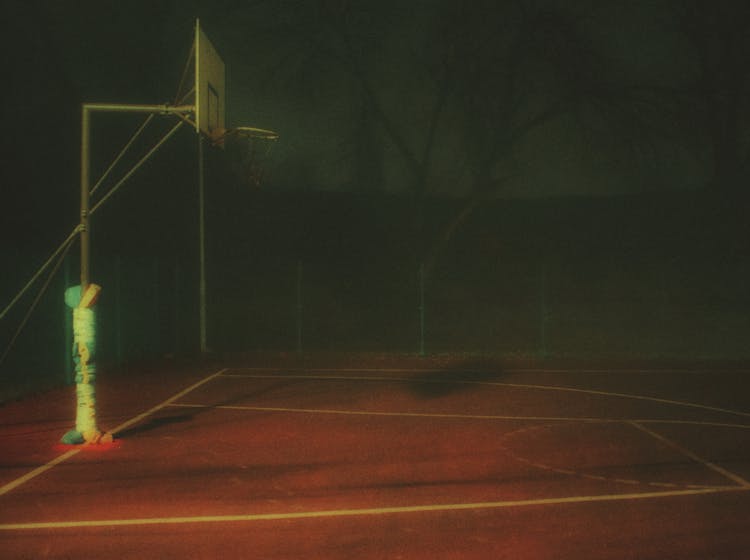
(538, 179)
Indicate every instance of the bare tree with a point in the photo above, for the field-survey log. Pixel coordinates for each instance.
(716, 101)
(520, 72)
(448, 91)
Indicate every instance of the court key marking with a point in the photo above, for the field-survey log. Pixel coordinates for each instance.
(635, 423)
(708, 464)
(742, 484)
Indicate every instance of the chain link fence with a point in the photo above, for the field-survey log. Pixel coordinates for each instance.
(573, 297)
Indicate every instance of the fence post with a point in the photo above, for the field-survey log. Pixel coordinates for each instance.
(421, 310)
(156, 333)
(543, 311)
(68, 327)
(118, 311)
(176, 305)
(299, 306)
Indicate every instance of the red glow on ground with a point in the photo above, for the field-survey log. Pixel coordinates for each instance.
(98, 447)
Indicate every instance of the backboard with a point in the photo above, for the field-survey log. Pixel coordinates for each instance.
(210, 103)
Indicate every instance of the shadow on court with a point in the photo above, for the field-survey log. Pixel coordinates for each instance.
(164, 422)
(455, 378)
(154, 424)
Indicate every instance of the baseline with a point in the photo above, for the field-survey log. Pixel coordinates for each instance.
(360, 512)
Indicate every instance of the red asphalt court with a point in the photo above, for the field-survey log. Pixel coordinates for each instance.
(419, 459)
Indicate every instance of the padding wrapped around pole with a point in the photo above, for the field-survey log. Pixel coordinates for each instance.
(84, 354)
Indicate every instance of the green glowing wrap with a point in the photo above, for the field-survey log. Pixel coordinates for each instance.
(84, 352)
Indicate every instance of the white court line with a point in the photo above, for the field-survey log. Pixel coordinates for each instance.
(489, 383)
(360, 512)
(382, 413)
(722, 471)
(628, 396)
(344, 412)
(68, 454)
(167, 402)
(37, 471)
(449, 368)
(691, 423)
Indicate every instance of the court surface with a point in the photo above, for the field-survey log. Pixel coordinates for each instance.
(386, 460)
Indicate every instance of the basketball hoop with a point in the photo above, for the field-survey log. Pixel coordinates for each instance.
(248, 149)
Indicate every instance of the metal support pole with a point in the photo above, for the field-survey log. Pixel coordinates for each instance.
(83, 300)
(84, 318)
(85, 165)
(202, 243)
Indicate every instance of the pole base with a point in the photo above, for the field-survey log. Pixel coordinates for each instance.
(74, 437)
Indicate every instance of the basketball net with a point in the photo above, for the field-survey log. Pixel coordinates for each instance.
(248, 150)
